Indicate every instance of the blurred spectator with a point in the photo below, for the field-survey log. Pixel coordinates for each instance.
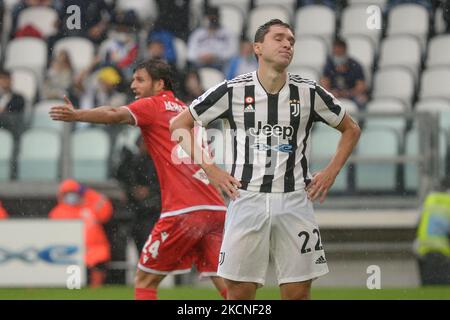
(344, 77)
(22, 5)
(160, 45)
(94, 18)
(103, 90)
(12, 105)
(192, 87)
(75, 201)
(211, 45)
(244, 62)
(433, 239)
(425, 3)
(3, 213)
(137, 175)
(446, 14)
(174, 17)
(329, 3)
(59, 78)
(121, 47)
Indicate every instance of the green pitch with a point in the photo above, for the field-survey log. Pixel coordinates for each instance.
(189, 293)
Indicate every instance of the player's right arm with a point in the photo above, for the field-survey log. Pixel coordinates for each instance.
(103, 114)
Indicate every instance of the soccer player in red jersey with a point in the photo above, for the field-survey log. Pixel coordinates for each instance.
(191, 224)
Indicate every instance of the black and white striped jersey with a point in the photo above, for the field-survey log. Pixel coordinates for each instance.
(267, 136)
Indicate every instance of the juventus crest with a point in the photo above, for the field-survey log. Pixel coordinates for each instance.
(295, 107)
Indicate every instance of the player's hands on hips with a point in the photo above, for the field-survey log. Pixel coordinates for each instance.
(320, 184)
(63, 113)
(223, 181)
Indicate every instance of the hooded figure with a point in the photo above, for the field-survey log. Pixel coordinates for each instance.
(76, 201)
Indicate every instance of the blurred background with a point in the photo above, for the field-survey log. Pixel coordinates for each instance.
(388, 62)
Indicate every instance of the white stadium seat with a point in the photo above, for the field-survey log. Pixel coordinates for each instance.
(42, 18)
(379, 176)
(24, 82)
(349, 105)
(262, 14)
(90, 152)
(439, 51)
(288, 4)
(441, 107)
(379, 3)
(323, 146)
(394, 82)
(402, 50)
(145, 9)
(435, 83)
(6, 153)
(386, 106)
(231, 18)
(210, 77)
(412, 19)
(315, 20)
(28, 53)
(39, 155)
(40, 117)
(310, 52)
(354, 22)
(81, 51)
(181, 52)
(439, 22)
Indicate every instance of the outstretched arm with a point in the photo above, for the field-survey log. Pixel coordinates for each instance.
(103, 114)
(323, 180)
(181, 128)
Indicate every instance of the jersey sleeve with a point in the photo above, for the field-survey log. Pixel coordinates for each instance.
(143, 111)
(327, 108)
(213, 104)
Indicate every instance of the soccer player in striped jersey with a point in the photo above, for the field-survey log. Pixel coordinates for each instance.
(269, 114)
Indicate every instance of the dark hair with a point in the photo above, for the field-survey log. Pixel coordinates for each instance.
(158, 70)
(264, 29)
(340, 43)
(5, 73)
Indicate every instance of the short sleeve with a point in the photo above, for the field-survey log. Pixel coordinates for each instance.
(143, 111)
(213, 104)
(327, 108)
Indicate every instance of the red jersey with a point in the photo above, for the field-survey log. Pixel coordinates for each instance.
(184, 186)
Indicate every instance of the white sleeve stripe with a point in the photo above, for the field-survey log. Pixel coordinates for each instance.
(133, 115)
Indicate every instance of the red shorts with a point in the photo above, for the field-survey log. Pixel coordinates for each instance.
(178, 242)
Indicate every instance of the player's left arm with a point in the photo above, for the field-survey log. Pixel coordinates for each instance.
(324, 179)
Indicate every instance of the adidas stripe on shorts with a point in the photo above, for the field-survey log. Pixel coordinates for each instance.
(276, 226)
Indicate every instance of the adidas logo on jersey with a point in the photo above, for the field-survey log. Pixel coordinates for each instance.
(321, 260)
(249, 108)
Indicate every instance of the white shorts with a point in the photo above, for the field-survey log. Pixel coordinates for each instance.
(276, 226)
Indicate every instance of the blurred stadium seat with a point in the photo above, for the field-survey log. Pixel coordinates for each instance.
(81, 51)
(435, 83)
(6, 153)
(439, 51)
(315, 20)
(310, 52)
(40, 117)
(39, 155)
(324, 141)
(377, 176)
(403, 51)
(42, 18)
(30, 53)
(90, 154)
(409, 19)
(361, 49)
(354, 22)
(386, 84)
(210, 77)
(262, 14)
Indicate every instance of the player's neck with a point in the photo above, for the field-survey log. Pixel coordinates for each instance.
(271, 79)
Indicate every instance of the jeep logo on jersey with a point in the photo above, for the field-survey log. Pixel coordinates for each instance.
(267, 130)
